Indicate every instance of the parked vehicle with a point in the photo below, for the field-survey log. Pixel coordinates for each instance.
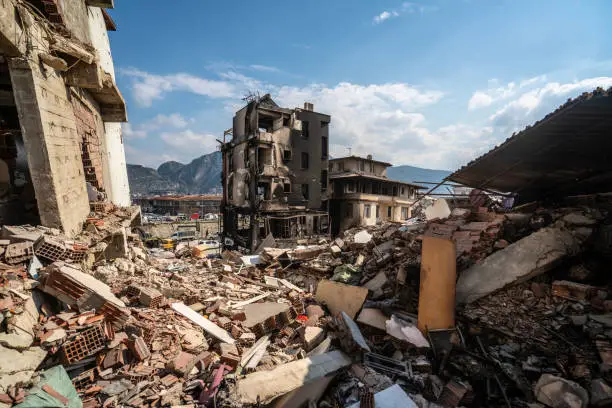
(179, 236)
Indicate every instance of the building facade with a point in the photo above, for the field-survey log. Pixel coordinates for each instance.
(275, 175)
(361, 194)
(175, 205)
(60, 112)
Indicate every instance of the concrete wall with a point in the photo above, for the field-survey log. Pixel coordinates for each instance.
(53, 148)
(313, 146)
(76, 18)
(358, 165)
(117, 186)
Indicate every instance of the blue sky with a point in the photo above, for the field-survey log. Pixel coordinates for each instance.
(428, 83)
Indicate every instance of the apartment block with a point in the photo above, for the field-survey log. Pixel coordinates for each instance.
(361, 194)
(275, 174)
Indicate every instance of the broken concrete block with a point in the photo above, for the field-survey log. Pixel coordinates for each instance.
(392, 397)
(341, 298)
(376, 284)
(439, 210)
(339, 242)
(264, 386)
(335, 250)
(405, 331)
(22, 367)
(20, 327)
(362, 237)
(312, 337)
(557, 392)
(373, 318)
(520, 261)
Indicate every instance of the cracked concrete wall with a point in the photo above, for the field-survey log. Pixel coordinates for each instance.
(53, 147)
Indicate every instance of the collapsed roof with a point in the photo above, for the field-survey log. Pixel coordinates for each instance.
(566, 153)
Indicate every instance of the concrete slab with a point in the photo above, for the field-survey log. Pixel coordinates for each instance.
(339, 297)
(265, 386)
(521, 261)
(259, 312)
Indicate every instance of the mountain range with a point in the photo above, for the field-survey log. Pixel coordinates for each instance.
(203, 175)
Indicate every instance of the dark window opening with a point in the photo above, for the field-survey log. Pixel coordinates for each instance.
(305, 129)
(286, 155)
(287, 187)
(324, 146)
(389, 212)
(304, 160)
(378, 211)
(305, 192)
(263, 191)
(323, 180)
(285, 122)
(367, 210)
(324, 124)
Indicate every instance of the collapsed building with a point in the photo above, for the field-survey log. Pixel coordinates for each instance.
(275, 174)
(60, 112)
(362, 194)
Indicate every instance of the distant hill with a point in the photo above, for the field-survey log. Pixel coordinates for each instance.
(197, 177)
(204, 174)
(411, 174)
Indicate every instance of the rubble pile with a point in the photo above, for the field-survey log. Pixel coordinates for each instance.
(333, 323)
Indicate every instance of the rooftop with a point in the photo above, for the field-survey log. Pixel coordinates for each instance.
(566, 153)
(361, 158)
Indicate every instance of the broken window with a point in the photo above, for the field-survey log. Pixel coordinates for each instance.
(305, 129)
(285, 122)
(286, 155)
(324, 145)
(263, 191)
(287, 187)
(403, 190)
(350, 187)
(389, 210)
(305, 192)
(304, 160)
(404, 213)
(378, 211)
(367, 210)
(323, 180)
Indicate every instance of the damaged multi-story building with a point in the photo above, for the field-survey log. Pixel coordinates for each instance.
(362, 194)
(275, 174)
(60, 112)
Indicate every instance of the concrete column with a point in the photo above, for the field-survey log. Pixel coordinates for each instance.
(52, 147)
(119, 188)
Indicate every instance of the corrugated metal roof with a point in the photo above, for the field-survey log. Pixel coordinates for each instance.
(568, 152)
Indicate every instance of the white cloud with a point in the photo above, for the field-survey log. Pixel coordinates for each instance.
(131, 133)
(191, 141)
(264, 68)
(495, 93)
(385, 15)
(161, 121)
(534, 104)
(387, 121)
(148, 87)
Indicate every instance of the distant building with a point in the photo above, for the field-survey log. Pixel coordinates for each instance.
(275, 174)
(361, 193)
(174, 205)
